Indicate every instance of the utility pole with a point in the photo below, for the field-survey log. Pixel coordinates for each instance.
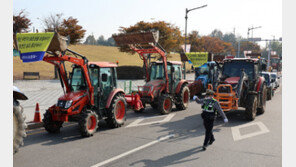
(252, 28)
(269, 52)
(238, 49)
(186, 17)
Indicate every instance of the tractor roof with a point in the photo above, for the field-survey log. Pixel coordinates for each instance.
(103, 64)
(170, 62)
(241, 59)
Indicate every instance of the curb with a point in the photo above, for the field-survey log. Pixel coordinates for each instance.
(34, 125)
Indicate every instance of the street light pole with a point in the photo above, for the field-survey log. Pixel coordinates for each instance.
(186, 17)
(269, 52)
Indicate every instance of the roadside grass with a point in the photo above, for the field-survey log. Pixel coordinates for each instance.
(92, 52)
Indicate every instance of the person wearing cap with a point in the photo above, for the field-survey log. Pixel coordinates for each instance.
(210, 107)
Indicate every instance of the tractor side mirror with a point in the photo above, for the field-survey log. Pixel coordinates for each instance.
(104, 77)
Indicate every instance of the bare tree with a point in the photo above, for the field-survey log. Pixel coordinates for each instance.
(53, 22)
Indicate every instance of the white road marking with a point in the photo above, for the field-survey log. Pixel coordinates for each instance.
(133, 150)
(236, 133)
(137, 122)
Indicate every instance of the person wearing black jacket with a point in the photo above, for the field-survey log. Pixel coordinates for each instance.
(210, 107)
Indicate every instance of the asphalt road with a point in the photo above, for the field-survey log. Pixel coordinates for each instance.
(151, 140)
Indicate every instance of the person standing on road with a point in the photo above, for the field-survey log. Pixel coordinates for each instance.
(210, 106)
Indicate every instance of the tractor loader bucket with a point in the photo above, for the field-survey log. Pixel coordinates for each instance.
(136, 38)
(58, 43)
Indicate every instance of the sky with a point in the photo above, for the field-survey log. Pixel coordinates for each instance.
(105, 17)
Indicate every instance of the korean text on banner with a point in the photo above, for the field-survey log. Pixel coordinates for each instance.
(33, 46)
(197, 58)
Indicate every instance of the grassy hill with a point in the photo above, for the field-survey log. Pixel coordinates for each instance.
(93, 53)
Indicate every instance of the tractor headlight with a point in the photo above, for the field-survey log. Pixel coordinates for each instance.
(68, 104)
(141, 89)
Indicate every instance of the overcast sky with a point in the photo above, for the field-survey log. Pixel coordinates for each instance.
(104, 17)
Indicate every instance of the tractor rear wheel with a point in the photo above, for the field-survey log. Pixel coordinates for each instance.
(88, 123)
(183, 98)
(251, 107)
(19, 126)
(269, 93)
(50, 125)
(165, 104)
(263, 97)
(117, 112)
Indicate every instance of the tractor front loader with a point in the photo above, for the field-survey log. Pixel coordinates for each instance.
(164, 84)
(90, 92)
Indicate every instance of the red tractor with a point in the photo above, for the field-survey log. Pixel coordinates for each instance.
(90, 90)
(164, 84)
(90, 94)
(241, 85)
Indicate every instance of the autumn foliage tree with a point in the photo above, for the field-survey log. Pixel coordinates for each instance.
(70, 28)
(169, 35)
(248, 46)
(209, 44)
(20, 22)
(65, 27)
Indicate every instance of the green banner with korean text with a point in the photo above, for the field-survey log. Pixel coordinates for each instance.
(197, 58)
(33, 46)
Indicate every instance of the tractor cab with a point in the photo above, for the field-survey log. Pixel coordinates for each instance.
(207, 73)
(157, 73)
(233, 68)
(103, 79)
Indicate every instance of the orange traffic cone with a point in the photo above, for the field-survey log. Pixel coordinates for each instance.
(37, 116)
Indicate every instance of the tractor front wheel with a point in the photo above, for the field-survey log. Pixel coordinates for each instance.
(117, 112)
(50, 125)
(183, 98)
(19, 126)
(251, 107)
(165, 104)
(88, 123)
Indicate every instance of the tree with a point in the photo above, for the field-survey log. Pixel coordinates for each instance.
(169, 35)
(196, 43)
(20, 22)
(275, 46)
(229, 37)
(53, 22)
(248, 46)
(70, 28)
(90, 40)
(101, 40)
(209, 44)
(217, 33)
(111, 41)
